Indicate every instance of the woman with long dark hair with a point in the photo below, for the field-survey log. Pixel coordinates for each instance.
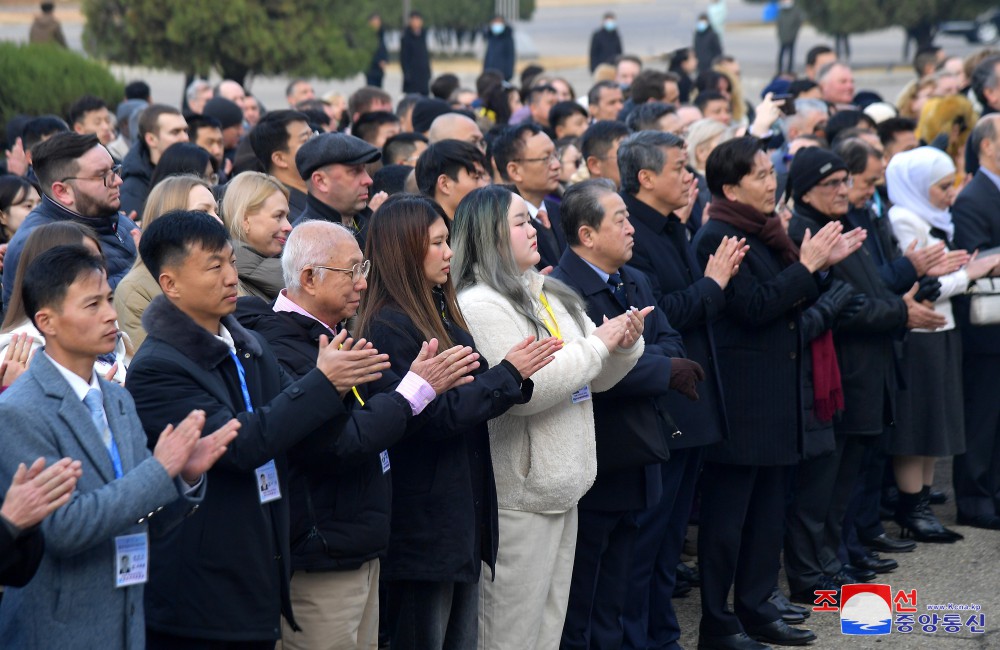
(444, 508)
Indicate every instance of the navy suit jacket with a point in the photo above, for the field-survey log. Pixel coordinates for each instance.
(636, 399)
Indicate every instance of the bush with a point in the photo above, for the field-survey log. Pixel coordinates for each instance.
(44, 78)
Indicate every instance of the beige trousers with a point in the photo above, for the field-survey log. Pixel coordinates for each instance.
(525, 607)
(337, 610)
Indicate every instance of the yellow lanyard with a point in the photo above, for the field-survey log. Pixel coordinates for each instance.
(354, 389)
(550, 323)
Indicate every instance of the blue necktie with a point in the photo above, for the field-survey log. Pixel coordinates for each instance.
(96, 407)
(618, 289)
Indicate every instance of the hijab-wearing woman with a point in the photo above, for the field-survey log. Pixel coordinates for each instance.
(929, 417)
(17, 323)
(255, 209)
(138, 288)
(444, 504)
(544, 452)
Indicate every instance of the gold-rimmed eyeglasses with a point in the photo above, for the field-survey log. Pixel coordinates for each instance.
(358, 271)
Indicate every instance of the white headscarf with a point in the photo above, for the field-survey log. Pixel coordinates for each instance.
(909, 178)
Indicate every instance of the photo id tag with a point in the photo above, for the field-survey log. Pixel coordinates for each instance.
(384, 457)
(131, 559)
(581, 395)
(267, 482)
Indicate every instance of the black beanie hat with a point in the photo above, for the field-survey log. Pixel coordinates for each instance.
(810, 166)
(224, 110)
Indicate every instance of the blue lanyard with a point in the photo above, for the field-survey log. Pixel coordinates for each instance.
(243, 380)
(116, 458)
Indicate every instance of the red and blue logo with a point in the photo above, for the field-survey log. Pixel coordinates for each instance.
(866, 609)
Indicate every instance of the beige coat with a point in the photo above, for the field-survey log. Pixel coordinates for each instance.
(132, 295)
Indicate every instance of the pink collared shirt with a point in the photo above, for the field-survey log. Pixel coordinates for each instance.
(417, 392)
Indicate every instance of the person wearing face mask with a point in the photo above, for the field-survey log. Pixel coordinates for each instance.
(707, 44)
(605, 43)
(500, 53)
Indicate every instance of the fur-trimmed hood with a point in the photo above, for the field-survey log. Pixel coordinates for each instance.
(164, 321)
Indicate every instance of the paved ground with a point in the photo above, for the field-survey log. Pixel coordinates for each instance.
(558, 39)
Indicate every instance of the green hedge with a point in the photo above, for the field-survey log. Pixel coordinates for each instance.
(43, 79)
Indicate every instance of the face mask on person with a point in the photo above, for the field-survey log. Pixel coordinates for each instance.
(497, 28)
(610, 25)
(701, 25)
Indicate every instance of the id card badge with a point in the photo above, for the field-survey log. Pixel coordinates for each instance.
(384, 457)
(267, 482)
(131, 559)
(582, 395)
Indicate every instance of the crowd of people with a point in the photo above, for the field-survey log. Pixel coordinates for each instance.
(464, 370)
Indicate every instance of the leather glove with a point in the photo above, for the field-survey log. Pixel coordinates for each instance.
(930, 289)
(853, 306)
(684, 375)
(822, 314)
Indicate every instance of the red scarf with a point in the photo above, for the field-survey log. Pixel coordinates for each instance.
(828, 394)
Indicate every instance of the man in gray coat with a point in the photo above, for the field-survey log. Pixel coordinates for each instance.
(84, 594)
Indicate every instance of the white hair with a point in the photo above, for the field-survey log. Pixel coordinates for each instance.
(309, 243)
(195, 88)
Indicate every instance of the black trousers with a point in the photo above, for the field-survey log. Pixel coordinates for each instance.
(976, 473)
(739, 544)
(862, 521)
(600, 580)
(159, 641)
(823, 489)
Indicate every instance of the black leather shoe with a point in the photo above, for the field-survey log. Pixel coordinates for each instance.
(937, 497)
(790, 613)
(732, 642)
(681, 589)
(856, 574)
(991, 522)
(688, 574)
(886, 544)
(808, 596)
(780, 633)
(873, 562)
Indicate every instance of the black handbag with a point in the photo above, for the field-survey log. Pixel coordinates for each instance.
(643, 441)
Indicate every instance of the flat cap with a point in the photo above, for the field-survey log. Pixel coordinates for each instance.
(333, 148)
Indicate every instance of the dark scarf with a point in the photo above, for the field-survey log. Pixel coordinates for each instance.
(828, 394)
(765, 227)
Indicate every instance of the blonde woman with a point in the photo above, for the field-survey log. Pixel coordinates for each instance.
(255, 209)
(138, 288)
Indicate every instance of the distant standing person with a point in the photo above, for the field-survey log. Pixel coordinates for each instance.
(606, 43)
(414, 57)
(376, 70)
(789, 23)
(500, 53)
(707, 45)
(46, 28)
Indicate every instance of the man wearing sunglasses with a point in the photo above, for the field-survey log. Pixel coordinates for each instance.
(80, 182)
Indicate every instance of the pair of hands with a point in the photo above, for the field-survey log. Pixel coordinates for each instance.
(724, 263)
(830, 245)
(623, 330)
(347, 362)
(183, 451)
(37, 491)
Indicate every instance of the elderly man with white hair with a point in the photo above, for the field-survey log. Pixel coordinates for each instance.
(340, 488)
(197, 94)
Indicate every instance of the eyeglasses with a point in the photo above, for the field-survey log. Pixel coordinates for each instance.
(358, 271)
(549, 158)
(847, 182)
(108, 177)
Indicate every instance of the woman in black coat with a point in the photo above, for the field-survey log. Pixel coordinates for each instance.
(500, 54)
(760, 361)
(444, 504)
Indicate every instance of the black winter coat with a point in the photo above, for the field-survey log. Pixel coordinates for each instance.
(317, 210)
(605, 46)
(864, 342)
(500, 54)
(223, 574)
(897, 272)
(760, 352)
(375, 72)
(137, 171)
(339, 496)
(444, 500)
(691, 302)
(416, 62)
(636, 402)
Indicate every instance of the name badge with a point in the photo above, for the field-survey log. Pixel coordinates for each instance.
(581, 395)
(384, 457)
(267, 482)
(131, 559)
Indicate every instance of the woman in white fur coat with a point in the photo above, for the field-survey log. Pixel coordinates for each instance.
(544, 452)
